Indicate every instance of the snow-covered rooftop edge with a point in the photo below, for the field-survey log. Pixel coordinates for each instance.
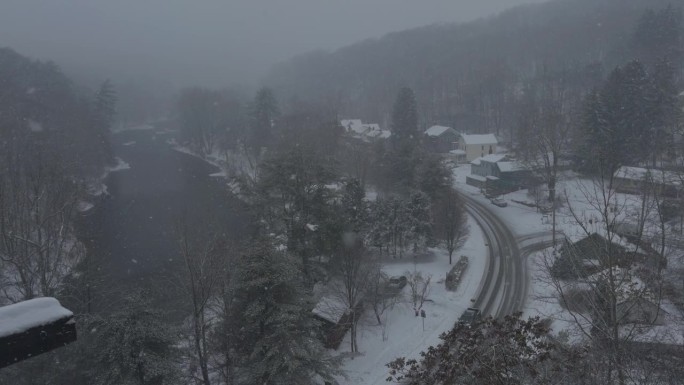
(22, 316)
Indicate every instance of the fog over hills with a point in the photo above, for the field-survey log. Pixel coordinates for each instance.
(209, 42)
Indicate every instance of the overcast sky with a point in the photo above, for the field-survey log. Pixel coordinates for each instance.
(210, 42)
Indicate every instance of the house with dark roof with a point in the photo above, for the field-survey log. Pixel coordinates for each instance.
(498, 174)
(336, 319)
(594, 253)
(441, 139)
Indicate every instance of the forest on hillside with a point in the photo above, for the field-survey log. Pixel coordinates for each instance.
(469, 76)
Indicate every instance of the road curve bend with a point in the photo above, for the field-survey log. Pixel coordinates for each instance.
(504, 284)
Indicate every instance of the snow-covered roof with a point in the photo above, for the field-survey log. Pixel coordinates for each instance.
(435, 131)
(491, 158)
(477, 177)
(352, 125)
(330, 309)
(479, 139)
(641, 174)
(22, 316)
(671, 334)
(509, 166)
(361, 130)
(457, 152)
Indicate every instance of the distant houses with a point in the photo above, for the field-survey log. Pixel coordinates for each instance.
(367, 132)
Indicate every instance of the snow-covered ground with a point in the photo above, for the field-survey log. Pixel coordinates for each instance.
(402, 333)
(97, 187)
(579, 197)
(229, 163)
(140, 127)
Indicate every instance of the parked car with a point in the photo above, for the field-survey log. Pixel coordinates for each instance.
(545, 208)
(396, 283)
(499, 202)
(470, 316)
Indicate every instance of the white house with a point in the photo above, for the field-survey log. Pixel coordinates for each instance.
(476, 146)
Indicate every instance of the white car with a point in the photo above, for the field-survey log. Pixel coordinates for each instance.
(499, 202)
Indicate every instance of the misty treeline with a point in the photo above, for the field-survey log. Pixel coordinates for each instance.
(54, 145)
(470, 76)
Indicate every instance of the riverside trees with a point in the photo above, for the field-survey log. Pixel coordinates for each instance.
(53, 142)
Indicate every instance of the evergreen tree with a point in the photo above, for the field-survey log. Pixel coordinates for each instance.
(354, 206)
(134, 346)
(666, 109)
(105, 113)
(434, 178)
(405, 118)
(264, 111)
(279, 336)
(291, 198)
(105, 103)
(419, 220)
(507, 351)
(658, 36)
(619, 120)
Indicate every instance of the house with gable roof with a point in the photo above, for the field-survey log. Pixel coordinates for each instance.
(498, 174)
(476, 146)
(441, 139)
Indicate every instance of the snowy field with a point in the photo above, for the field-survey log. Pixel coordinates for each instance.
(402, 333)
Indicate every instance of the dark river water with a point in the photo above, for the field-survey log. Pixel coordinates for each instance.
(130, 235)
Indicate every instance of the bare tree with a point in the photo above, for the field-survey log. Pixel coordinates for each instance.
(381, 294)
(420, 289)
(547, 115)
(450, 221)
(38, 246)
(203, 256)
(356, 270)
(602, 284)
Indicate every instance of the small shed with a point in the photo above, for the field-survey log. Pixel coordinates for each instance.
(336, 318)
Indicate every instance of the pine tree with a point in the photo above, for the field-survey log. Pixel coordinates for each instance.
(354, 206)
(291, 198)
(658, 36)
(279, 335)
(105, 113)
(405, 118)
(619, 120)
(134, 346)
(264, 111)
(419, 220)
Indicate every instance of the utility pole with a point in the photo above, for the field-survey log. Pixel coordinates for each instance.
(553, 223)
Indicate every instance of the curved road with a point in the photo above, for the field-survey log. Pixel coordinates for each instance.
(504, 285)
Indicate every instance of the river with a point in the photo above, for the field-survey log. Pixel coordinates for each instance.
(130, 235)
